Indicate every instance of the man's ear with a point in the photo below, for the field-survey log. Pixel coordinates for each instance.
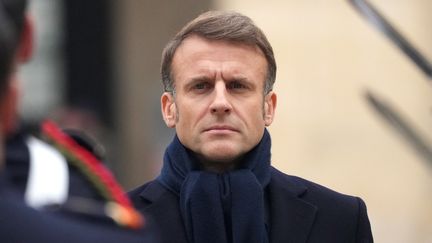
(169, 109)
(25, 47)
(270, 101)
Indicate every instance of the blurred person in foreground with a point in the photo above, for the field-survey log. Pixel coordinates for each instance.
(217, 183)
(29, 159)
(113, 221)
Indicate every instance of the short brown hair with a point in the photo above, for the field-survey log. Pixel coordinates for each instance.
(225, 26)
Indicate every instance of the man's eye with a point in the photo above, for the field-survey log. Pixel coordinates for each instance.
(201, 86)
(236, 85)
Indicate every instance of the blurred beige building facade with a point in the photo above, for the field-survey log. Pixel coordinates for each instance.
(324, 130)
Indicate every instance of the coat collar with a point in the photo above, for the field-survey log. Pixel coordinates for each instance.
(291, 217)
(162, 206)
(152, 192)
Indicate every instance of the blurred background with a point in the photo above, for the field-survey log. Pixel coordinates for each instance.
(96, 67)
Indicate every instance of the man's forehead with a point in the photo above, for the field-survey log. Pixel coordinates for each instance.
(196, 48)
(207, 74)
(195, 38)
(209, 70)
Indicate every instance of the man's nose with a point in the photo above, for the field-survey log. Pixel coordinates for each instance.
(220, 103)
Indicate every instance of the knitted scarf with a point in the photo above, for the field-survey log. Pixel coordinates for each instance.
(219, 208)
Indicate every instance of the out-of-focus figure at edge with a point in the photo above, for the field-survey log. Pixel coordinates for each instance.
(54, 188)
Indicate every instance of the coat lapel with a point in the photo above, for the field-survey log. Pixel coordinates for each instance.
(291, 217)
(163, 207)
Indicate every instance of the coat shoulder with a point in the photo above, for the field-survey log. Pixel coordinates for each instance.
(150, 193)
(135, 192)
(311, 191)
(347, 212)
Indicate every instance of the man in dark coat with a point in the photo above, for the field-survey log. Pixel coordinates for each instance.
(85, 220)
(217, 184)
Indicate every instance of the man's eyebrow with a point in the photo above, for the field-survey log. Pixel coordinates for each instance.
(240, 78)
(200, 78)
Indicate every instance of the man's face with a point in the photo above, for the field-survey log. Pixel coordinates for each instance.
(219, 109)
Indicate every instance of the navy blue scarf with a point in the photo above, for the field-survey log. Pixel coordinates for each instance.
(219, 208)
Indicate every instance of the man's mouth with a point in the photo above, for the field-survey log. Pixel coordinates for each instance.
(221, 129)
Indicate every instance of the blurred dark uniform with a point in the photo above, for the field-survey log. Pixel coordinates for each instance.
(73, 211)
(44, 198)
(20, 223)
(32, 164)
